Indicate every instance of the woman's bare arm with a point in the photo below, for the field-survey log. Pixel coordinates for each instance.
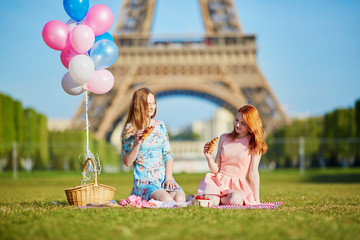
(255, 177)
(213, 165)
(130, 157)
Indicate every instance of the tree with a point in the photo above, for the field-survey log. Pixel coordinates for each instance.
(357, 119)
(19, 131)
(8, 112)
(357, 133)
(42, 146)
(2, 120)
(9, 132)
(30, 133)
(186, 134)
(338, 125)
(284, 142)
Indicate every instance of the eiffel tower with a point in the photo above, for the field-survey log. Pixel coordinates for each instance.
(219, 66)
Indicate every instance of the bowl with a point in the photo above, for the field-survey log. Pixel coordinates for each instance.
(202, 203)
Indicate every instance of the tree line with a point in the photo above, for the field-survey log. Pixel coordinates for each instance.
(329, 140)
(27, 131)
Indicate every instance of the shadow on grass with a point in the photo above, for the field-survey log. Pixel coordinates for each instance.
(334, 178)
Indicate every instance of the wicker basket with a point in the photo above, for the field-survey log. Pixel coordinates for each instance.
(89, 193)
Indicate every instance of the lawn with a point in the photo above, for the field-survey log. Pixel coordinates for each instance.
(320, 204)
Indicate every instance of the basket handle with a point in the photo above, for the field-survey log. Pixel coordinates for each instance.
(95, 171)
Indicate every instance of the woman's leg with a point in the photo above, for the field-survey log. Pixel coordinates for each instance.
(235, 198)
(215, 200)
(161, 195)
(178, 196)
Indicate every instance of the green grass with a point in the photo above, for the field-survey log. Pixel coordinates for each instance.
(320, 204)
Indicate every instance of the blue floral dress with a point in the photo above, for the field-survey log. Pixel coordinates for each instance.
(154, 152)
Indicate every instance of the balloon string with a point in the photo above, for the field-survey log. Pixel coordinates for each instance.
(87, 122)
(88, 176)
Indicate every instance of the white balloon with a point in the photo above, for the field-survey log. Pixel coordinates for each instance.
(81, 68)
(72, 23)
(70, 86)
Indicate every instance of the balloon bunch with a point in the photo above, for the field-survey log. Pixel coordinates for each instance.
(86, 47)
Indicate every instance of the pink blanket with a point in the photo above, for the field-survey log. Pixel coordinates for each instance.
(173, 204)
(263, 205)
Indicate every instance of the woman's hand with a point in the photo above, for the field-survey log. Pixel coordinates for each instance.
(169, 184)
(140, 160)
(213, 165)
(208, 155)
(138, 136)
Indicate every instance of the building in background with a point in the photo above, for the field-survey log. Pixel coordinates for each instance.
(219, 66)
(222, 122)
(59, 124)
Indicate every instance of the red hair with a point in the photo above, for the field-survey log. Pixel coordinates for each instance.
(252, 119)
(139, 109)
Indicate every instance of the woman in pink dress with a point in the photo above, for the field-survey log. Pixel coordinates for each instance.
(235, 176)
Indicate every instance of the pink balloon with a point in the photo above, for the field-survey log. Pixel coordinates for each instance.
(56, 35)
(99, 18)
(102, 82)
(82, 38)
(67, 55)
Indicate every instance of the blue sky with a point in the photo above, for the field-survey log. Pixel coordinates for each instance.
(308, 51)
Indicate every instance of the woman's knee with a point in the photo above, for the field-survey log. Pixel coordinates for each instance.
(236, 199)
(161, 195)
(180, 196)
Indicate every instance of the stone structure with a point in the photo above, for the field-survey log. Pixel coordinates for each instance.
(219, 66)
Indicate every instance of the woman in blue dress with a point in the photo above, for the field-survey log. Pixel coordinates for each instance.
(151, 158)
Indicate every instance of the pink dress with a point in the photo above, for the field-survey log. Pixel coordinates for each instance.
(233, 173)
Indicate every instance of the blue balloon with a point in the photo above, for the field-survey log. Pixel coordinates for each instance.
(101, 37)
(76, 9)
(104, 53)
(104, 36)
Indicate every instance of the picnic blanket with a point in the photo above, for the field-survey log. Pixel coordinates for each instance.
(263, 205)
(173, 204)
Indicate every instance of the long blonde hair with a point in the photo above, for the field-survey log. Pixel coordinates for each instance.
(139, 110)
(252, 119)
